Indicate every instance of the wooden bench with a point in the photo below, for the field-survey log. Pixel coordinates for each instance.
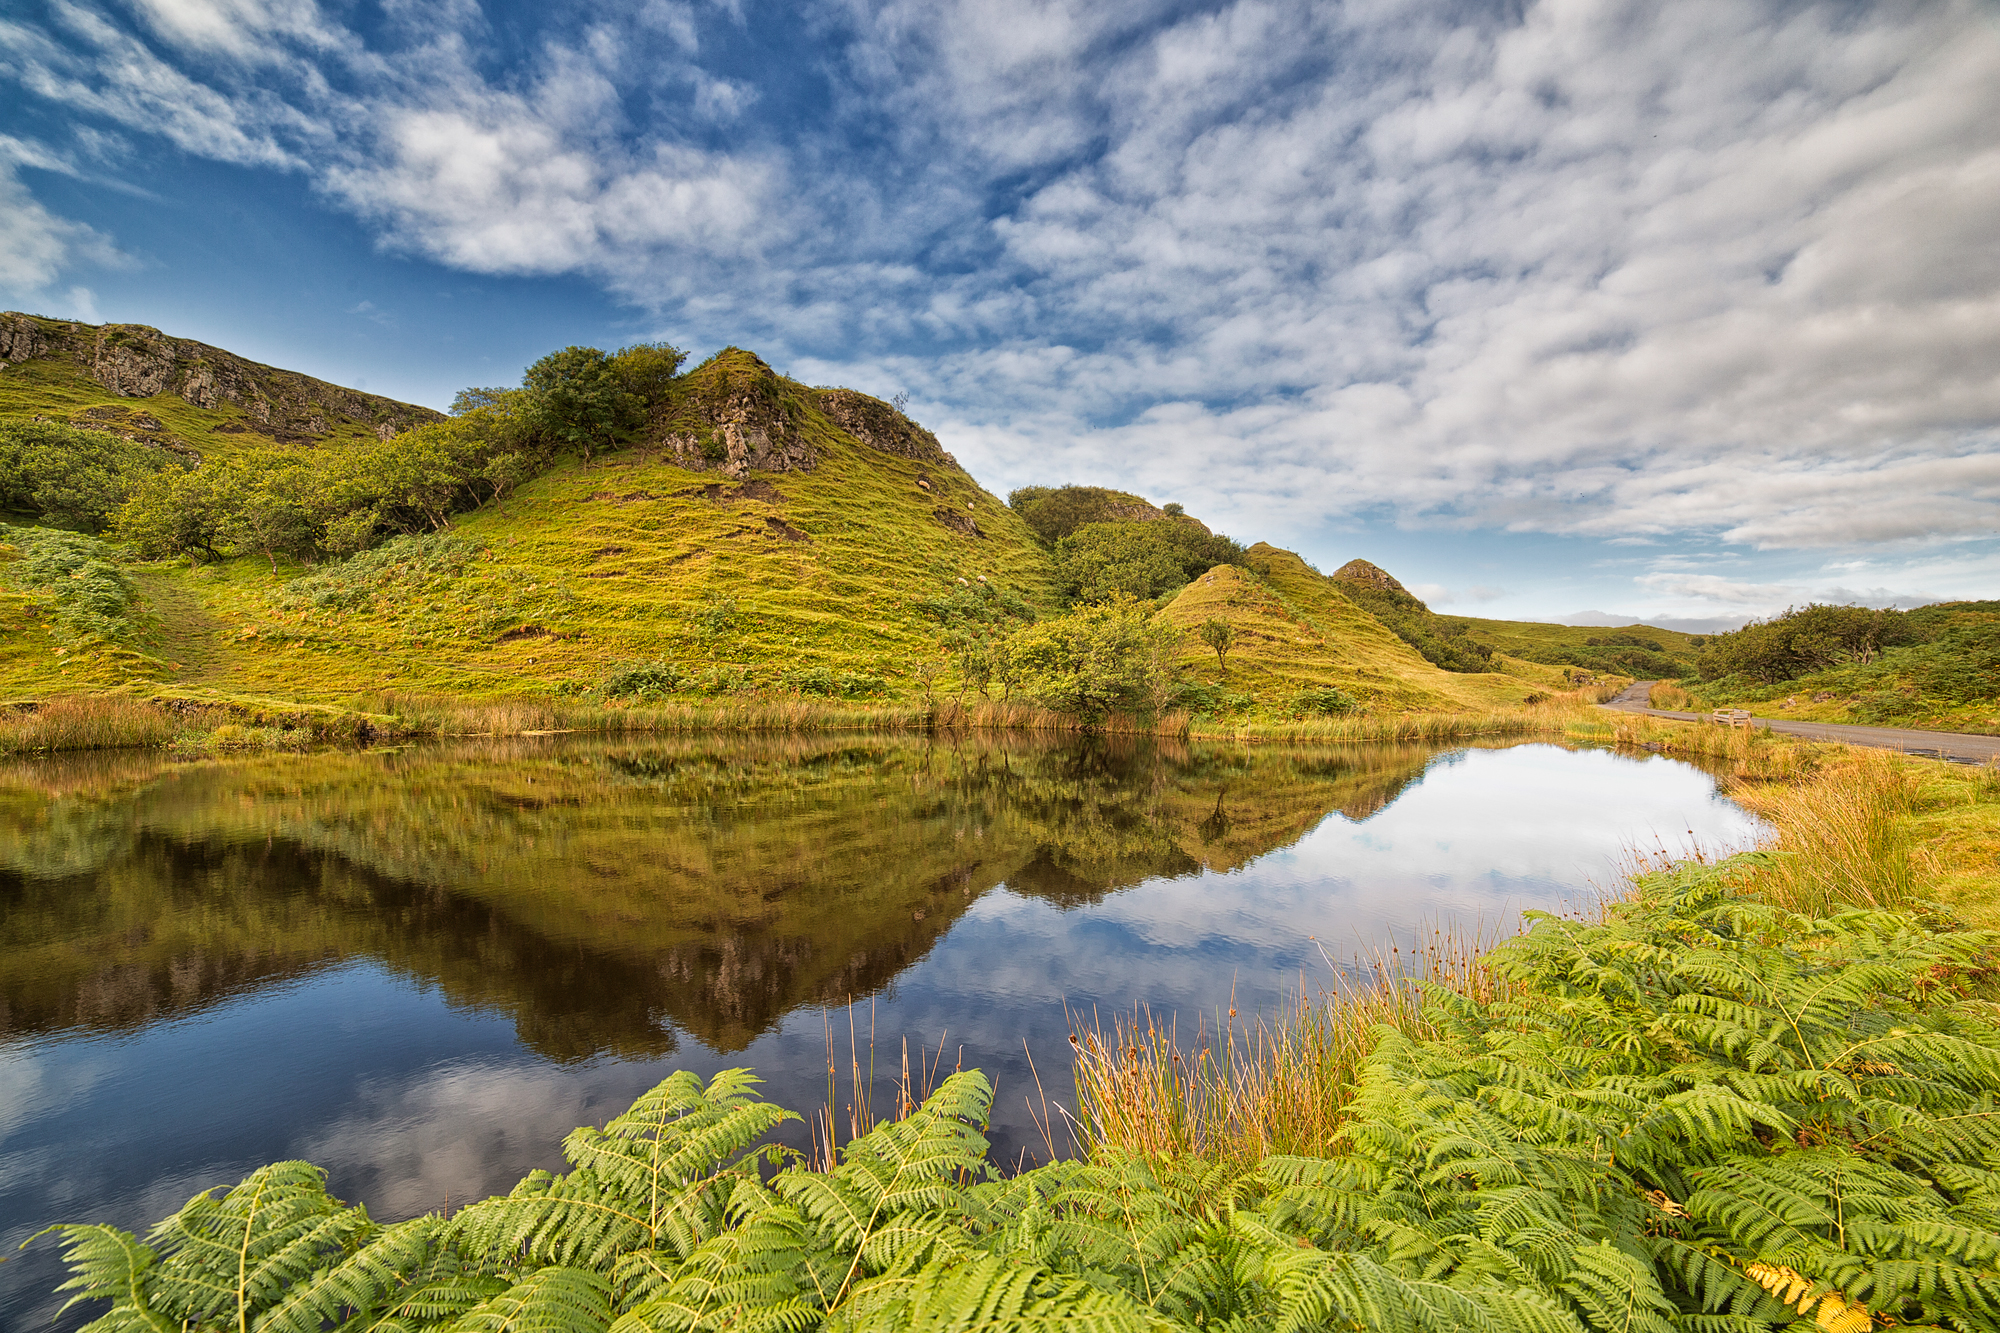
(1733, 717)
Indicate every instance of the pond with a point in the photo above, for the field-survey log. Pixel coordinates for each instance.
(420, 968)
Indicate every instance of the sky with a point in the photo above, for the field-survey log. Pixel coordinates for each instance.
(1688, 312)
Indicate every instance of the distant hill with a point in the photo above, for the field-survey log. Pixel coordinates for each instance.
(185, 396)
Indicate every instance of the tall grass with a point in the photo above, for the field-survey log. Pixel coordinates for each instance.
(1672, 698)
(87, 722)
(1253, 1086)
(1282, 1083)
(1844, 837)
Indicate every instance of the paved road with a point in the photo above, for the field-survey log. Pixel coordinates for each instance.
(1951, 745)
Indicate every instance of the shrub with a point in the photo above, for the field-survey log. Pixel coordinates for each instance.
(1143, 560)
(73, 477)
(1325, 700)
(1803, 640)
(1095, 659)
(646, 680)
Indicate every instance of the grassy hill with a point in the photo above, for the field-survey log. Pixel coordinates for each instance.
(750, 537)
(177, 394)
(1296, 630)
(816, 562)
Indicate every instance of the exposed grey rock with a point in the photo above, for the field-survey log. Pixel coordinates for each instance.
(880, 425)
(136, 361)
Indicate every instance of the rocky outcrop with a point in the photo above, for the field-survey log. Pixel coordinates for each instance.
(733, 415)
(880, 425)
(1368, 576)
(21, 338)
(137, 361)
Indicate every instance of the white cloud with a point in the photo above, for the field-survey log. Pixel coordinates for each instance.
(36, 245)
(1625, 271)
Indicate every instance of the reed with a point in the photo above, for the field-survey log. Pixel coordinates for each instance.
(1844, 837)
(87, 722)
(1248, 1087)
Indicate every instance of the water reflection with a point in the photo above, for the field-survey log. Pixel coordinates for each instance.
(420, 968)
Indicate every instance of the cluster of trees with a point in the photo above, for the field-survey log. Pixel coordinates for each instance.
(336, 502)
(73, 478)
(1803, 640)
(1109, 544)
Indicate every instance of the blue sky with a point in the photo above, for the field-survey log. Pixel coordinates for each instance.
(1686, 311)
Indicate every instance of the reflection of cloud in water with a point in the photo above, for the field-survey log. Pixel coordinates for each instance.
(1478, 839)
(461, 1130)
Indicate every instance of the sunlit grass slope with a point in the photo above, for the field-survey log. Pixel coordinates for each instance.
(1295, 630)
(64, 380)
(1517, 636)
(591, 567)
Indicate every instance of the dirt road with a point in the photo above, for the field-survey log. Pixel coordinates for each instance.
(1952, 745)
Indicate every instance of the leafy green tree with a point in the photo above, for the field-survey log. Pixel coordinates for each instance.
(1804, 640)
(179, 513)
(578, 398)
(76, 478)
(1217, 634)
(1097, 659)
(1143, 559)
(647, 370)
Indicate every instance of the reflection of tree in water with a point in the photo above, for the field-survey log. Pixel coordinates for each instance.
(605, 894)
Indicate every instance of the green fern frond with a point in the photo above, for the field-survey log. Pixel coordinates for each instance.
(228, 1260)
(549, 1300)
(107, 1264)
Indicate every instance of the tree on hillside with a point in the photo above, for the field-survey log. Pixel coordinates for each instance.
(70, 476)
(647, 370)
(578, 398)
(1217, 634)
(1804, 640)
(1095, 660)
(1147, 559)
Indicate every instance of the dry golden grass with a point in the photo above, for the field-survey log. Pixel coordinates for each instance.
(1667, 695)
(87, 722)
(1253, 1086)
(1845, 836)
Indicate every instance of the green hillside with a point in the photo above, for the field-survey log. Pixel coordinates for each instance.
(176, 394)
(193, 527)
(760, 532)
(1295, 631)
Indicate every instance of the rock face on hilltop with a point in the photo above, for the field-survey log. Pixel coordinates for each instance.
(137, 361)
(733, 414)
(1369, 576)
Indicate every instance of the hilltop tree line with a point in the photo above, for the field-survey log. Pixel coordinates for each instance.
(334, 503)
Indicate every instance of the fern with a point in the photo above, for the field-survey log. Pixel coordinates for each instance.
(1700, 1115)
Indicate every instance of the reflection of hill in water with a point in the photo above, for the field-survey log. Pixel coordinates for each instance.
(603, 893)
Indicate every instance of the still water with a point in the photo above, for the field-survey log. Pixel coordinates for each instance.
(420, 968)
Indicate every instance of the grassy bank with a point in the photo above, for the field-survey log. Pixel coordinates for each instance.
(1750, 1097)
(191, 722)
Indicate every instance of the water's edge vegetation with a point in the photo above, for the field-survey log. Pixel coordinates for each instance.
(197, 725)
(1752, 1093)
